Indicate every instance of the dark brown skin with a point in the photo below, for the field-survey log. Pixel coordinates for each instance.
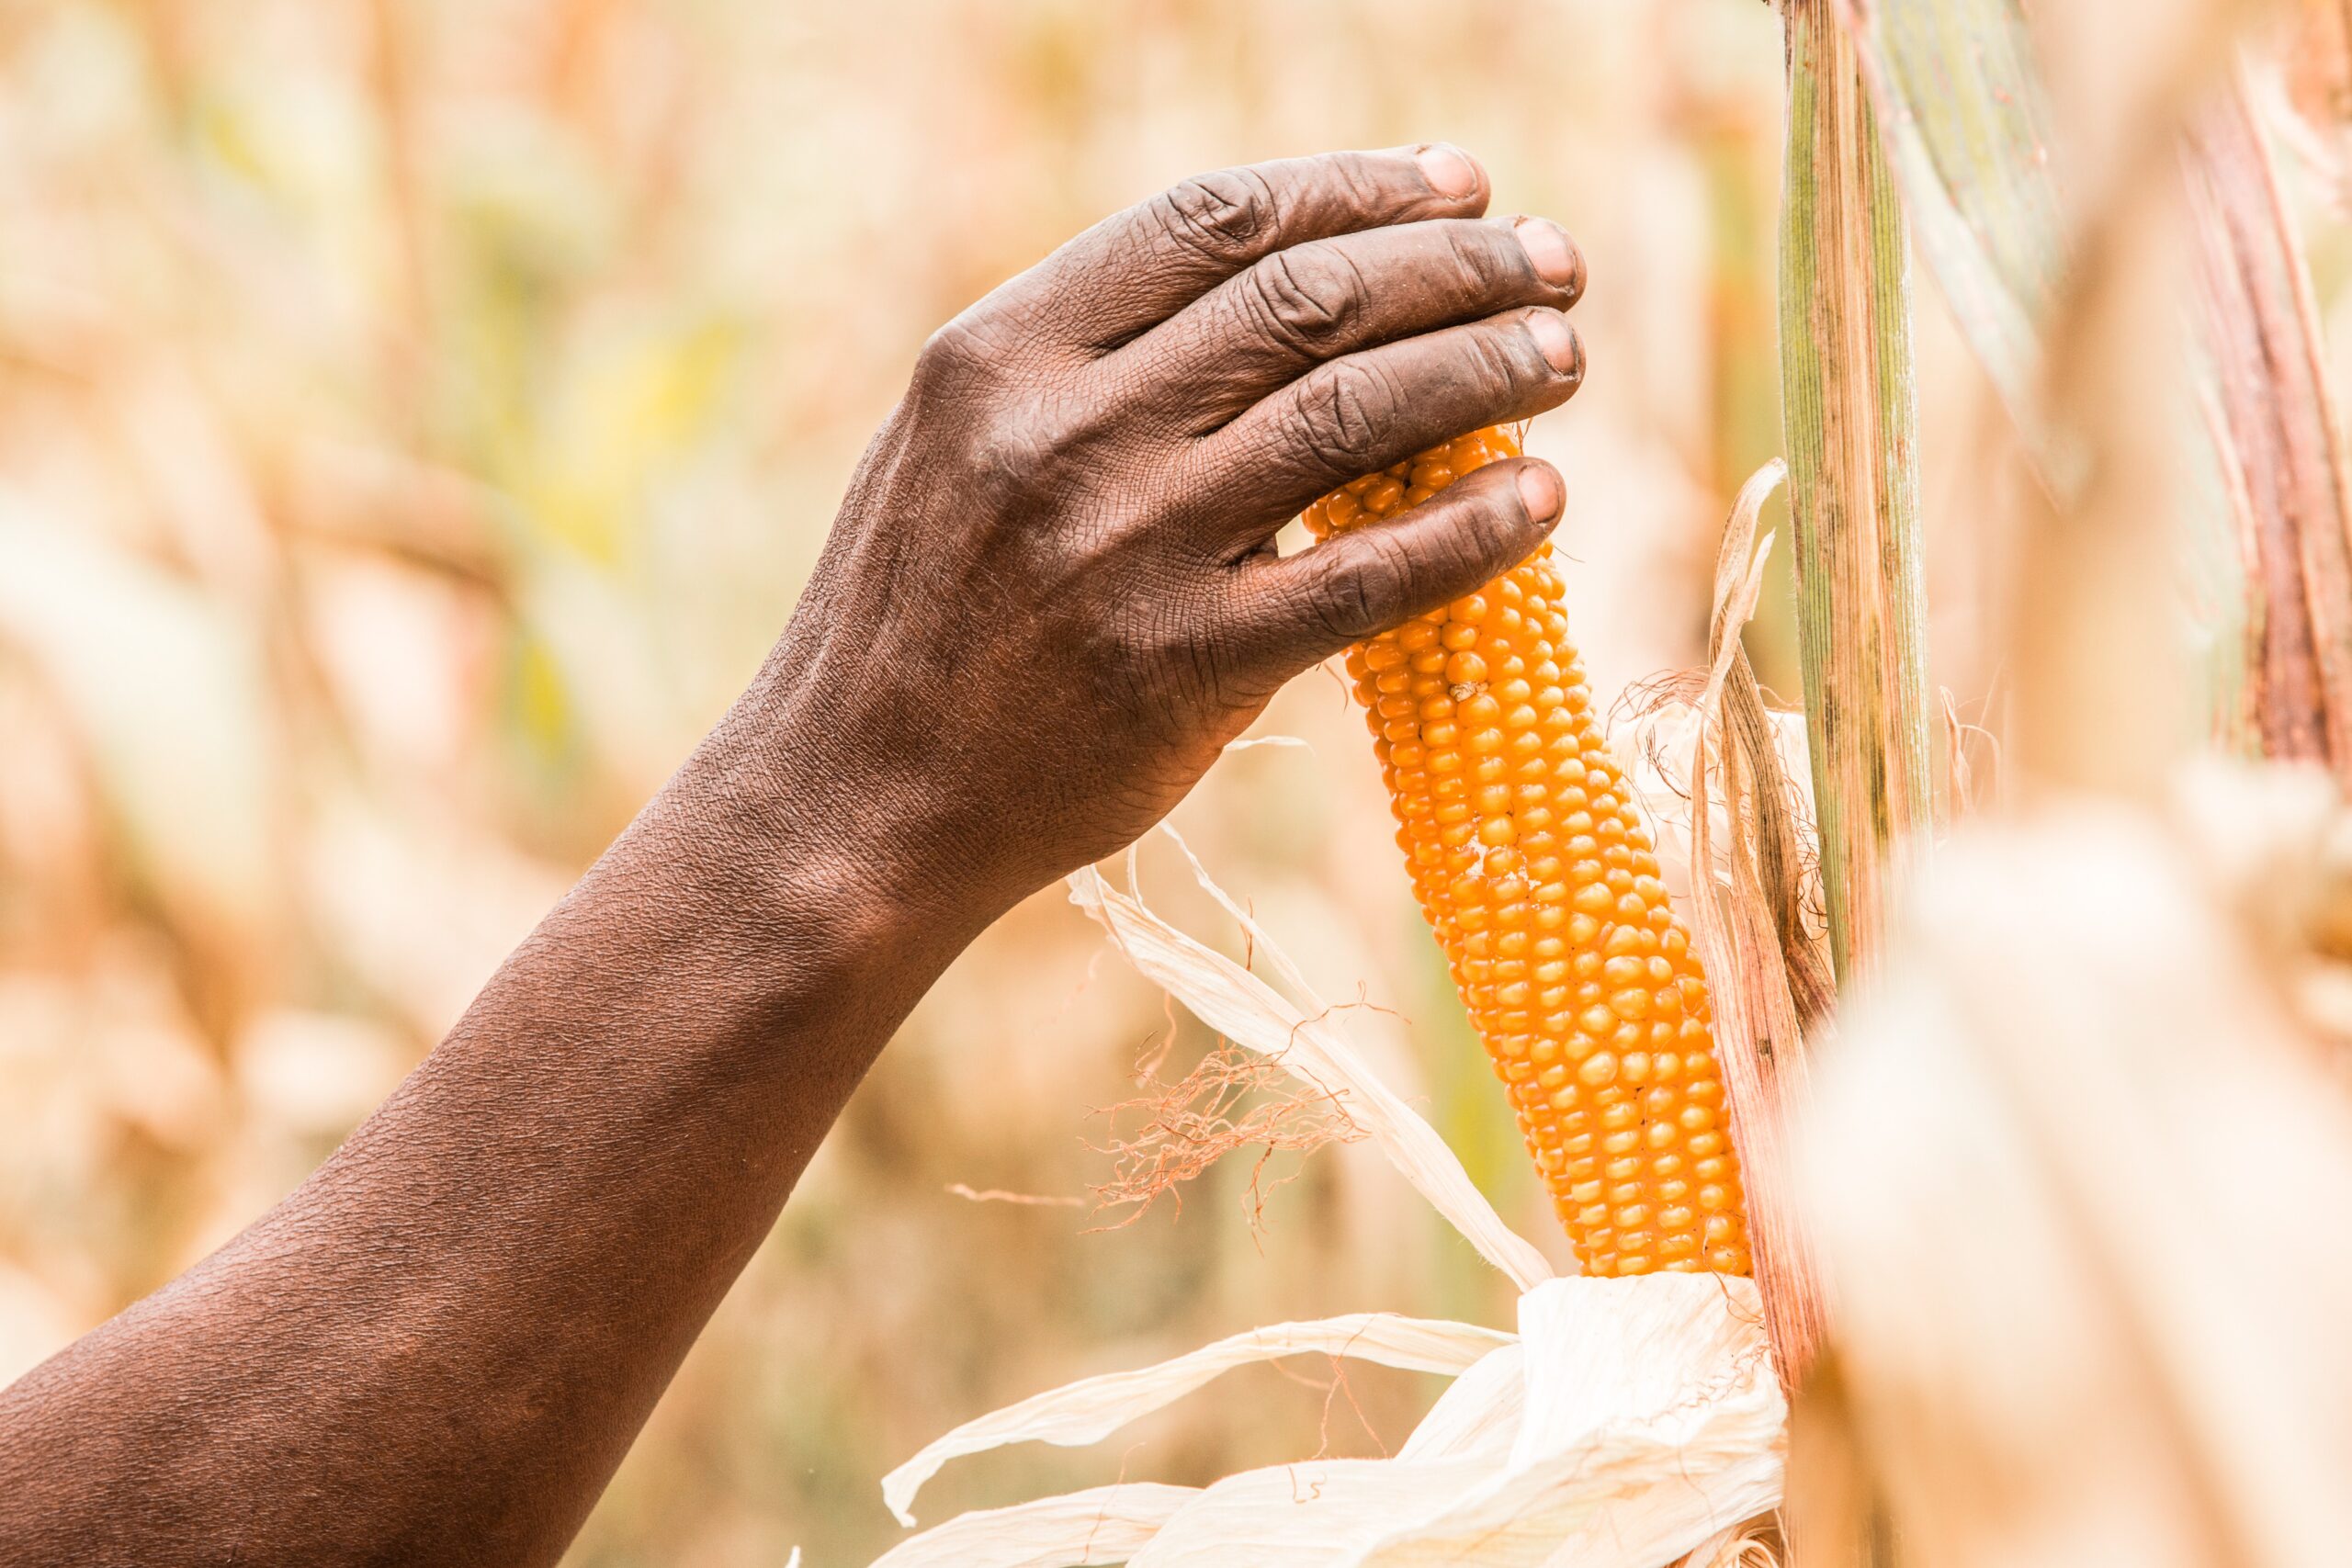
(1050, 597)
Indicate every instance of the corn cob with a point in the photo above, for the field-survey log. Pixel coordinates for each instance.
(1542, 885)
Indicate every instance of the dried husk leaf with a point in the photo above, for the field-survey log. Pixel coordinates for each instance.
(1640, 1423)
(1316, 1514)
(1089, 1411)
(1981, 154)
(1970, 150)
(1761, 1036)
(1105, 1524)
(1651, 1422)
(1478, 1414)
(1656, 748)
(1250, 1013)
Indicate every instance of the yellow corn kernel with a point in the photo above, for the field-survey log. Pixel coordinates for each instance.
(1542, 885)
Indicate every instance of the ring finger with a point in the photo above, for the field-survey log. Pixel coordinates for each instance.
(1353, 415)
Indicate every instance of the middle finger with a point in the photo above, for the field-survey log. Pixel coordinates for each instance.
(1274, 322)
(1357, 414)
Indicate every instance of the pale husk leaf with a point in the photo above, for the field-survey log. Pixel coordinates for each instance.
(1478, 1414)
(1316, 1514)
(1651, 1423)
(1748, 954)
(1653, 1420)
(1314, 1047)
(1105, 1524)
(1644, 1424)
(1092, 1409)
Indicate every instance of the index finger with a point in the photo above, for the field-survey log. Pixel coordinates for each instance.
(1136, 269)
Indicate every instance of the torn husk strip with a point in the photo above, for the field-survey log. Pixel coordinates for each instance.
(1850, 420)
(1248, 1012)
(1078, 1530)
(1091, 1410)
(1770, 849)
(1759, 1037)
(2283, 442)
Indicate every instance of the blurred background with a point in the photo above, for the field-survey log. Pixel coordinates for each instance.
(417, 418)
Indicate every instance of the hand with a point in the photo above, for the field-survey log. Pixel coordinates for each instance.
(1052, 594)
(1051, 597)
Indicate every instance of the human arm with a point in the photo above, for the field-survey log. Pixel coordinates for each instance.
(1050, 598)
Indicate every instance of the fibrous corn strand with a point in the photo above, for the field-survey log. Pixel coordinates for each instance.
(1542, 885)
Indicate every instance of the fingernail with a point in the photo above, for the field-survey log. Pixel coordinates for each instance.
(1448, 169)
(1557, 261)
(1557, 339)
(1540, 492)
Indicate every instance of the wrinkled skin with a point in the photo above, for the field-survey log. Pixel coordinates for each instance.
(1050, 597)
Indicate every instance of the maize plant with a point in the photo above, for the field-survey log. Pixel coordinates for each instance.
(1942, 1179)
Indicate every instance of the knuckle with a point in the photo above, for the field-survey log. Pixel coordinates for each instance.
(1219, 215)
(1342, 411)
(1361, 182)
(1307, 296)
(961, 351)
(1036, 448)
(1500, 368)
(1507, 361)
(1467, 551)
(1480, 269)
(1370, 592)
(1161, 641)
(942, 358)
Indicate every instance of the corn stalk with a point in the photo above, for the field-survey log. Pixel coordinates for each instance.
(1850, 424)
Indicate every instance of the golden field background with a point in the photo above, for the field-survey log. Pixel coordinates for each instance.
(415, 421)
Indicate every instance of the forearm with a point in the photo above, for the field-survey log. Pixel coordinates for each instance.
(1052, 597)
(438, 1348)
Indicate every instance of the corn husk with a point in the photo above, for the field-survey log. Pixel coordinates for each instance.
(1302, 1033)
(1627, 1424)
(1753, 945)
(1087, 1411)
(1723, 781)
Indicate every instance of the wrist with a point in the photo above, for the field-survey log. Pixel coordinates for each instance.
(783, 841)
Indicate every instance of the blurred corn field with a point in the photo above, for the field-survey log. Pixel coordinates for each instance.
(416, 419)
